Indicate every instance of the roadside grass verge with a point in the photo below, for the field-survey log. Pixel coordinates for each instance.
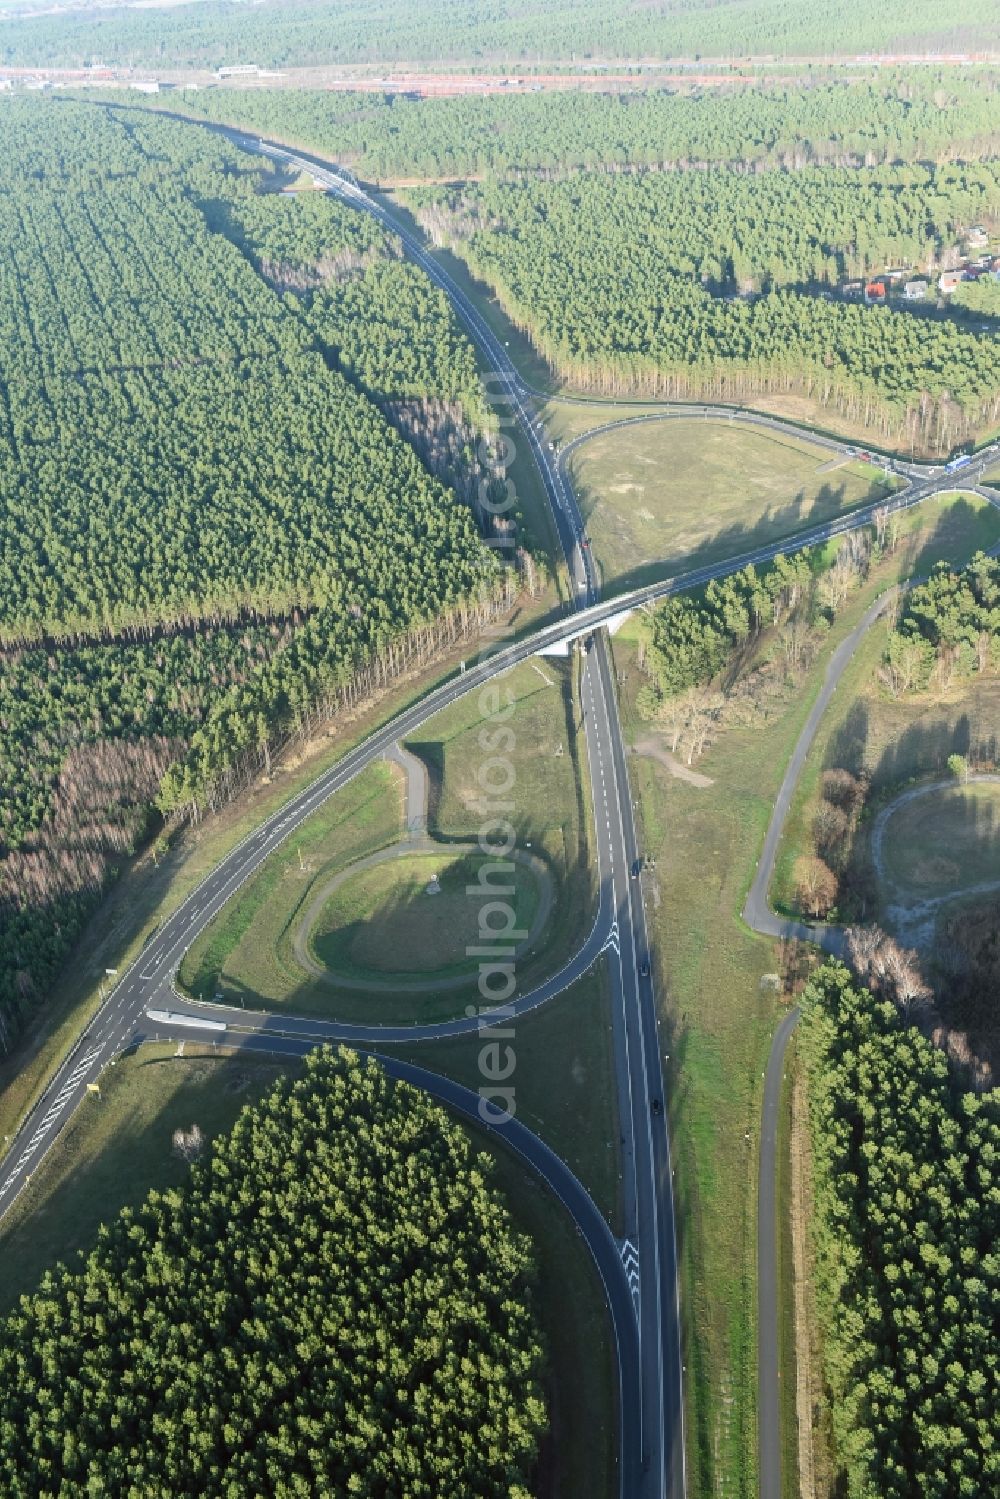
(538, 374)
(702, 844)
(808, 1453)
(674, 494)
(147, 891)
(566, 417)
(530, 365)
(563, 1080)
(716, 1025)
(521, 468)
(239, 951)
(545, 749)
(787, 1349)
(117, 1147)
(578, 1456)
(565, 1091)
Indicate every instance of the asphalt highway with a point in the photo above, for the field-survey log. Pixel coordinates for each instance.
(648, 1254)
(641, 1275)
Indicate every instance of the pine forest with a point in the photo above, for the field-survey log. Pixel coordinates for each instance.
(224, 503)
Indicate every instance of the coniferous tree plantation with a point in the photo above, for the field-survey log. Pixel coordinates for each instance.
(335, 1303)
(694, 284)
(171, 437)
(940, 114)
(216, 527)
(388, 327)
(907, 1221)
(307, 32)
(949, 626)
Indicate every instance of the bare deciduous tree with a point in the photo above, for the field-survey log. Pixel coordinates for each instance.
(673, 714)
(880, 520)
(903, 978)
(188, 1143)
(863, 943)
(816, 885)
(843, 789)
(884, 965)
(704, 708)
(830, 826)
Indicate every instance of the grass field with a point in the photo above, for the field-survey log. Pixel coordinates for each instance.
(717, 1020)
(247, 953)
(670, 495)
(716, 1024)
(546, 811)
(547, 802)
(383, 923)
(563, 1081)
(944, 841)
(119, 1148)
(577, 1460)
